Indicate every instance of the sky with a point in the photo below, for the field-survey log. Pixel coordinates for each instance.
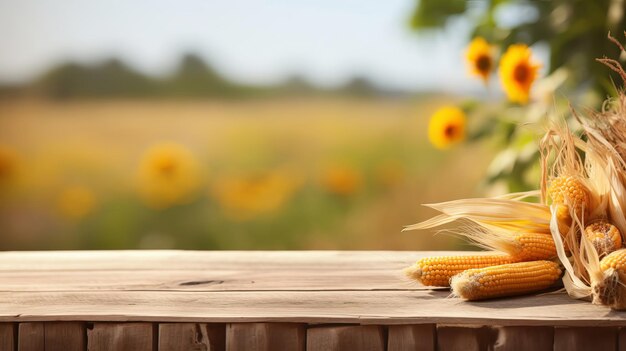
(250, 41)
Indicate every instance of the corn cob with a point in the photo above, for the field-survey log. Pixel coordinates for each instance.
(505, 280)
(437, 271)
(604, 237)
(532, 247)
(609, 288)
(568, 193)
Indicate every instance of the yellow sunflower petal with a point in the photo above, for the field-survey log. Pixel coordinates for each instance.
(479, 56)
(342, 180)
(518, 72)
(8, 164)
(76, 201)
(244, 197)
(447, 127)
(168, 175)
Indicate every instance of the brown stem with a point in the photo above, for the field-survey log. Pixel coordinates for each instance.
(616, 42)
(614, 66)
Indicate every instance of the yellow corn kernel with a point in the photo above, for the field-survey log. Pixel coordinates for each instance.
(604, 236)
(615, 260)
(533, 247)
(568, 193)
(437, 271)
(610, 288)
(505, 280)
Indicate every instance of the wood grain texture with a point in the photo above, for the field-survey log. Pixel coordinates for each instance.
(381, 307)
(31, 337)
(65, 336)
(158, 260)
(192, 337)
(8, 338)
(121, 337)
(256, 286)
(524, 338)
(265, 336)
(204, 271)
(585, 338)
(417, 337)
(468, 338)
(359, 337)
(248, 279)
(621, 339)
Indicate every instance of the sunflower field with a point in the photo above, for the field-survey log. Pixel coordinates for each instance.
(258, 174)
(106, 158)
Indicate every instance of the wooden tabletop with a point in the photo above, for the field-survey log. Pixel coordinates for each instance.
(254, 286)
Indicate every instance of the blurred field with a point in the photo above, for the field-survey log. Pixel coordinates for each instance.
(327, 173)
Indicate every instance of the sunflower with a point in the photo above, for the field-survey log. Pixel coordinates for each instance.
(342, 180)
(76, 201)
(518, 72)
(446, 127)
(8, 165)
(244, 197)
(479, 56)
(167, 175)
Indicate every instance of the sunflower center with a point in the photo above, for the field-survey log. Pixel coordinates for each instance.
(483, 63)
(167, 166)
(5, 168)
(450, 131)
(521, 74)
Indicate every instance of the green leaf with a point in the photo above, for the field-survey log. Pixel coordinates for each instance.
(431, 14)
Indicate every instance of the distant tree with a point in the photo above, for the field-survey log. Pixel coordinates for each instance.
(360, 86)
(297, 84)
(111, 78)
(194, 77)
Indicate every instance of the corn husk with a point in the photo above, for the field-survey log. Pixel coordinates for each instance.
(594, 164)
(604, 146)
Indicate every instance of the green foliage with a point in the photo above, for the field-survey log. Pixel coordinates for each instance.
(575, 31)
(111, 78)
(435, 13)
(194, 78)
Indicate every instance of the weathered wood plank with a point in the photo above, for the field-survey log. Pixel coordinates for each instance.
(585, 338)
(65, 336)
(8, 334)
(249, 279)
(621, 339)
(412, 337)
(524, 338)
(192, 337)
(469, 338)
(31, 337)
(265, 336)
(363, 307)
(358, 337)
(298, 287)
(204, 271)
(159, 260)
(121, 337)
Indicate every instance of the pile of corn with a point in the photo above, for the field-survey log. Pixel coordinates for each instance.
(483, 276)
(529, 262)
(573, 234)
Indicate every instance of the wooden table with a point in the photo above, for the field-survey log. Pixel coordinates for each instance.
(259, 300)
